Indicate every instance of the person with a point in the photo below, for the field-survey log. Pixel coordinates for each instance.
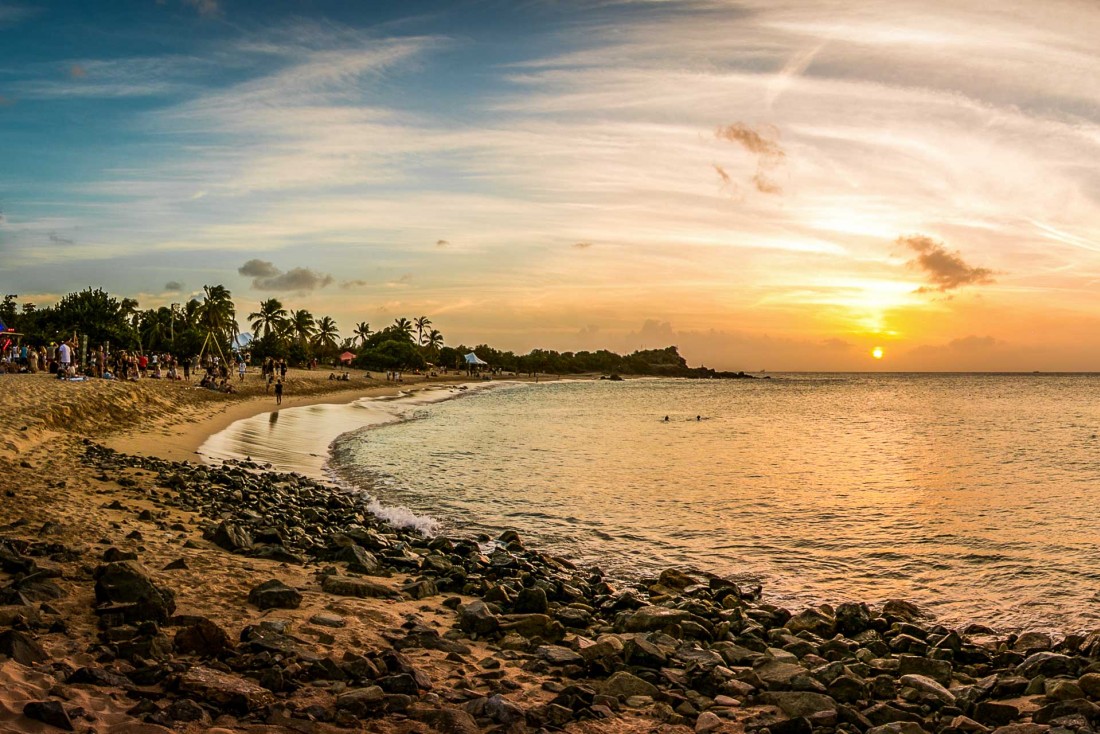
(698, 417)
(240, 369)
(64, 356)
(278, 392)
(666, 419)
(187, 369)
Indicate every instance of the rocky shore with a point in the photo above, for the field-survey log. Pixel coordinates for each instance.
(338, 621)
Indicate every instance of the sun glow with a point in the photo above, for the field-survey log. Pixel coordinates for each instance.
(877, 352)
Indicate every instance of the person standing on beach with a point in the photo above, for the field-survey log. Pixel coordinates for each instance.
(240, 369)
(64, 357)
(278, 392)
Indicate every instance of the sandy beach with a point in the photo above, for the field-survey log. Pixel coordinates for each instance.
(142, 592)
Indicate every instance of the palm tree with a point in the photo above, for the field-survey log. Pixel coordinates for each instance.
(156, 325)
(403, 325)
(302, 325)
(327, 334)
(363, 332)
(218, 314)
(435, 339)
(270, 318)
(422, 322)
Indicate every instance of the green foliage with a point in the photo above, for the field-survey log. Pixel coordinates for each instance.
(392, 354)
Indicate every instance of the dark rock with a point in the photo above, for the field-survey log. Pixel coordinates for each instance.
(48, 712)
(531, 601)
(624, 684)
(186, 710)
(361, 702)
(476, 618)
(938, 670)
(127, 583)
(995, 713)
(1048, 664)
(232, 537)
(177, 565)
(274, 594)
(21, 648)
(798, 703)
(361, 588)
(851, 619)
(814, 621)
(203, 638)
(227, 692)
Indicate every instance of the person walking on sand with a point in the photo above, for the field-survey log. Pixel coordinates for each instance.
(278, 392)
(240, 369)
(64, 357)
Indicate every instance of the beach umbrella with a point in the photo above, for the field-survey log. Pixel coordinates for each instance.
(347, 357)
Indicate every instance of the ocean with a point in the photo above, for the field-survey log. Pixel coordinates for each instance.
(973, 495)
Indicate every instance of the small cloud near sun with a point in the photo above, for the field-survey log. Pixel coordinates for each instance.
(944, 269)
(582, 245)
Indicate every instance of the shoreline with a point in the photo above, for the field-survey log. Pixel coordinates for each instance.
(144, 595)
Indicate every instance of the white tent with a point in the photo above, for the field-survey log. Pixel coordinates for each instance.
(473, 359)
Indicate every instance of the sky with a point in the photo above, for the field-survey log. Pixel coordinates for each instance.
(766, 184)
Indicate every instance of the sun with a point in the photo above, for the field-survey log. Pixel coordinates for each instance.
(877, 352)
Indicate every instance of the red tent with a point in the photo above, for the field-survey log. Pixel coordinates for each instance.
(347, 357)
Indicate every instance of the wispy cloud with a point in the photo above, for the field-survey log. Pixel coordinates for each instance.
(173, 286)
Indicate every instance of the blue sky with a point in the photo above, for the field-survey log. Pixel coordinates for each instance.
(767, 184)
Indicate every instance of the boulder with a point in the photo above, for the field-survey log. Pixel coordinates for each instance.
(477, 618)
(798, 703)
(21, 648)
(203, 638)
(814, 621)
(1046, 663)
(531, 601)
(651, 619)
(232, 537)
(938, 670)
(361, 702)
(675, 579)
(623, 685)
(707, 722)
(274, 594)
(127, 583)
(48, 712)
(930, 687)
(227, 692)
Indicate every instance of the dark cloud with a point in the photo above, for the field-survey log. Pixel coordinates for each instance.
(944, 269)
(59, 240)
(764, 144)
(173, 286)
(582, 245)
(442, 243)
(258, 269)
(296, 279)
(76, 71)
(353, 283)
(266, 277)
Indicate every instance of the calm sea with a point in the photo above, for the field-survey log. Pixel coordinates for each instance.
(974, 495)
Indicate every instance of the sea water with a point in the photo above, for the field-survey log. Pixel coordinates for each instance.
(974, 495)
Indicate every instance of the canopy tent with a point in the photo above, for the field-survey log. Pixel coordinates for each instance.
(347, 357)
(473, 359)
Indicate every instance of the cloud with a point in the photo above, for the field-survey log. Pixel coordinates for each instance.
(764, 145)
(76, 71)
(442, 243)
(173, 286)
(57, 239)
(945, 270)
(722, 174)
(266, 277)
(582, 245)
(353, 283)
(256, 268)
(205, 8)
(836, 344)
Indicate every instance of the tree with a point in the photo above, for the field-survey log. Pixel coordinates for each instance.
(362, 332)
(302, 326)
(270, 319)
(218, 315)
(327, 335)
(435, 340)
(421, 323)
(403, 324)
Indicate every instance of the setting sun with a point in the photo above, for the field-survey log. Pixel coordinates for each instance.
(877, 352)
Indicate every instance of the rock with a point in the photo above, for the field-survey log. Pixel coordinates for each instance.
(776, 674)
(1032, 642)
(812, 620)
(531, 601)
(1046, 663)
(1060, 689)
(127, 583)
(231, 537)
(938, 670)
(503, 711)
(968, 726)
(651, 619)
(360, 588)
(558, 656)
(274, 594)
(21, 648)
(1022, 729)
(898, 727)
(48, 712)
(798, 703)
(228, 692)
(707, 722)
(179, 564)
(675, 579)
(928, 686)
(361, 702)
(328, 620)
(903, 610)
(186, 710)
(1090, 684)
(851, 619)
(421, 589)
(476, 618)
(445, 720)
(1080, 707)
(203, 638)
(623, 684)
(533, 625)
(359, 560)
(995, 713)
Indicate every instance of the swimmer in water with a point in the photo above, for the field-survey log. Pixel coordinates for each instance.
(698, 417)
(666, 419)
